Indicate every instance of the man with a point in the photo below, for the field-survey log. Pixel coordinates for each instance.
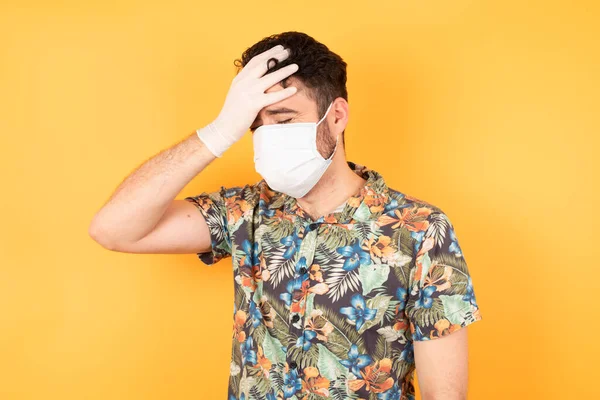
(343, 286)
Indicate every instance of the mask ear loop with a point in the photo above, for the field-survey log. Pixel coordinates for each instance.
(326, 112)
(336, 138)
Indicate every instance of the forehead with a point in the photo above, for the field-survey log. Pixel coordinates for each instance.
(298, 101)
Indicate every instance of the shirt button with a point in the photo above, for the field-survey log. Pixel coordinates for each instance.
(295, 318)
(303, 270)
(293, 364)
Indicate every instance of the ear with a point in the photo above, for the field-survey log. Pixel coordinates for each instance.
(338, 117)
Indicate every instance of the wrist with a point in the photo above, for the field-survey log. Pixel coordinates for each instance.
(200, 149)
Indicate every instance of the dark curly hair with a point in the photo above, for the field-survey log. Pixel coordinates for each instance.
(322, 71)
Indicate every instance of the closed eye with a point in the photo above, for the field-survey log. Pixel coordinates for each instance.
(252, 129)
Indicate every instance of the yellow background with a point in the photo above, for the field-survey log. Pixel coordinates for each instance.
(487, 109)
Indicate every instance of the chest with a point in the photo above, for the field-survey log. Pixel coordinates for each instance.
(308, 266)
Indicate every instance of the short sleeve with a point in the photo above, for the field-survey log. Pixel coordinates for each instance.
(214, 210)
(441, 299)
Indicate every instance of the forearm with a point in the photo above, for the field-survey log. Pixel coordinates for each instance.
(140, 201)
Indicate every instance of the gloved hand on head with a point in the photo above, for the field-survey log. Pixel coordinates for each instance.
(245, 99)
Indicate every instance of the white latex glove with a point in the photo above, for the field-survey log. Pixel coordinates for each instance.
(245, 99)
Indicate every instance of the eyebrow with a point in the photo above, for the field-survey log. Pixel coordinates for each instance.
(273, 111)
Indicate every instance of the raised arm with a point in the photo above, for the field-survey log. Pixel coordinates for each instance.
(142, 215)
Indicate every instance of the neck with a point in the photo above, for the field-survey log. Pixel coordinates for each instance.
(337, 185)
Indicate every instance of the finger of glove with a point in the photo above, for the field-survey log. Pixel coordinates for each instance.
(274, 77)
(259, 59)
(274, 97)
(262, 65)
(249, 70)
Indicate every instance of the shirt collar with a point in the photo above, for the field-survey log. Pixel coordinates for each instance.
(368, 204)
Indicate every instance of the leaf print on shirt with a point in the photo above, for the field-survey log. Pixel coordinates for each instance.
(332, 311)
(380, 305)
(330, 365)
(273, 349)
(373, 277)
(341, 281)
(282, 263)
(438, 226)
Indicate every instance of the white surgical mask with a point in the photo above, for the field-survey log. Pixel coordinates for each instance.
(286, 156)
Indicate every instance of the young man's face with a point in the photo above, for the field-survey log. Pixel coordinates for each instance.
(297, 108)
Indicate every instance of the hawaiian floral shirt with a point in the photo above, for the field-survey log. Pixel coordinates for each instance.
(331, 308)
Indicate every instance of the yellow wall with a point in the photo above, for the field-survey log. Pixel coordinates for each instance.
(488, 109)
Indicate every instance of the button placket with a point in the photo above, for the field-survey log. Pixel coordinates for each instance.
(306, 251)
